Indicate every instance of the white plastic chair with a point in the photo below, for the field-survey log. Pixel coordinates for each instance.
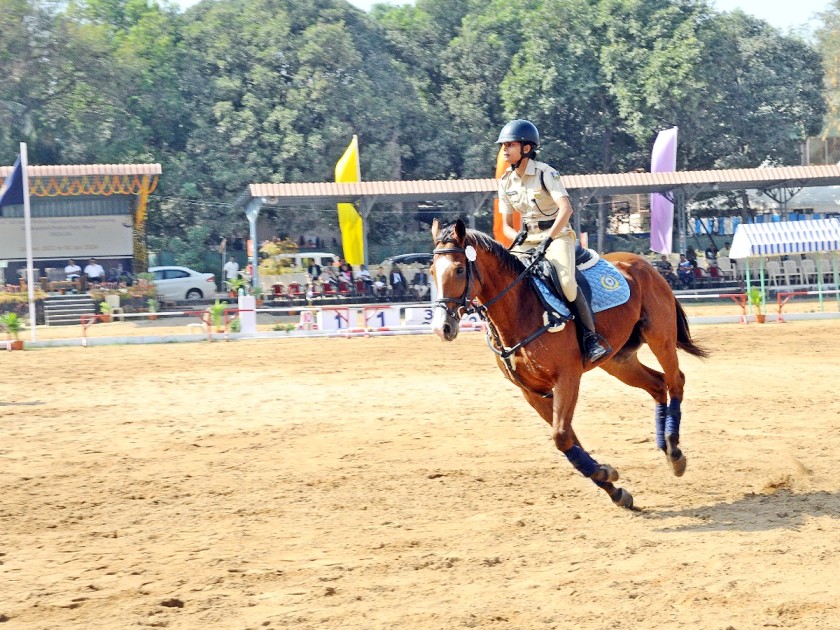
(775, 271)
(726, 268)
(808, 270)
(791, 269)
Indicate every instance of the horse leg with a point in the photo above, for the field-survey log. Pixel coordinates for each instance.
(602, 475)
(665, 351)
(631, 371)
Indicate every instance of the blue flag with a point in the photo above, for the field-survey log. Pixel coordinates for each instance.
(13, 192)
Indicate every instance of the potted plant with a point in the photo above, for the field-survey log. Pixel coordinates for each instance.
(217, 314)
(258, 295)
(11, 324)
(756, 300)
(104, 312)
(153, 304)
(235, 285)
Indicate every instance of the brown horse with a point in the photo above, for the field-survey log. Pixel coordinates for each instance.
(472, 271)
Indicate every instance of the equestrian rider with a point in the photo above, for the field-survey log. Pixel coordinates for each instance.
(534, 190)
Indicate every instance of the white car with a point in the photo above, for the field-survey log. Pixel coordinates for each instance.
(182, 283)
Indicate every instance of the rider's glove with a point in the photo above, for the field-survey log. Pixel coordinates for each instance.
(520, 237)
(540, 251)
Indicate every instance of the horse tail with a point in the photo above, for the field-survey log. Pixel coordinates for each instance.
(684, 341)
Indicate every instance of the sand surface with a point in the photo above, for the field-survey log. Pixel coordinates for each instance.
(382, 483)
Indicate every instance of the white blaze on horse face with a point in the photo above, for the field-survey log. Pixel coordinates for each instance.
(442, 264)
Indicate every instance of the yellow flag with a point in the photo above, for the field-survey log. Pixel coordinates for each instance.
(347, 170)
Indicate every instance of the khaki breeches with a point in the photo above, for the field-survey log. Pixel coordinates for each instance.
(561, 255)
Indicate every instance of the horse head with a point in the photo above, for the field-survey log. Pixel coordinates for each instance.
(453, 271)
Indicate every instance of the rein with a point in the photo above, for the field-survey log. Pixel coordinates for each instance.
(469, 306)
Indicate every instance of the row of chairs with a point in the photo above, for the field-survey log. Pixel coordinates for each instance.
(298, 291)
(781, 272)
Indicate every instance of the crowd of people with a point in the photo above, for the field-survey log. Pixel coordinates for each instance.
(685, 275)
(342, 279)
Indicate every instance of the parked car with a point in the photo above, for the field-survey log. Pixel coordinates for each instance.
(182, 283)
(424, 259)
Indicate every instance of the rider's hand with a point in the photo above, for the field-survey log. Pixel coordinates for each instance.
(520, 237)
(540, 251)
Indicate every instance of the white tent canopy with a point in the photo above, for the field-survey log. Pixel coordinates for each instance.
(785, 237)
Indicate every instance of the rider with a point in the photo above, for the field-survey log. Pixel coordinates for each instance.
(534, 190)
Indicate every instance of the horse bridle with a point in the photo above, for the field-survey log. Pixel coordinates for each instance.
(470, 307)
(464, 301)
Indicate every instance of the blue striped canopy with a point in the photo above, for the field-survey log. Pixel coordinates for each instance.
(785, 237)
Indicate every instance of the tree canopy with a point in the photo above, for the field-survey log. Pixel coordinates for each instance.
(232, 92)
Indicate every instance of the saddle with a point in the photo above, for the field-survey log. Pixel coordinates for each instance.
(601, 283)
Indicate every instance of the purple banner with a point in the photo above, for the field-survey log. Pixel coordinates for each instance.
(663, 160)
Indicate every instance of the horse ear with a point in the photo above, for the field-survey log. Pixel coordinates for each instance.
(435, 229)
(460, 230)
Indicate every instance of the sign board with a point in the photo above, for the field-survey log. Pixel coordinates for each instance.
(333, 318)
(418, 315)
(381, 317)
(68, 237)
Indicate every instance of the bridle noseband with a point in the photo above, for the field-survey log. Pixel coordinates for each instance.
(464, 301)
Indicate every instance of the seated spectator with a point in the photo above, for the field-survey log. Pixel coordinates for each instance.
(72, 270)
(420, 284)
(685, 270)
(95, 272)
(364, 275)
(711, 256)
(397, 281)
(664, 266)
(380, 283)
(314, 270)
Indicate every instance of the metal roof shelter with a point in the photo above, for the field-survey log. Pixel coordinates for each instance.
(680, 186)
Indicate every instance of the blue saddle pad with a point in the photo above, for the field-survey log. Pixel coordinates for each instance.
(609, 289)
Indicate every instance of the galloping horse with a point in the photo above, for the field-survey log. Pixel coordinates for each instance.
(472, 271)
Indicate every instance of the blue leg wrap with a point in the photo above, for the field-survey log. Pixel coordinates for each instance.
(659, 420)
(581, 460)
(672, 422)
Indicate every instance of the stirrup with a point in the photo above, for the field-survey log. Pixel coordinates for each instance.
(595, 347)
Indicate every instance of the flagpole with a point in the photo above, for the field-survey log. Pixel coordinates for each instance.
(27, 222)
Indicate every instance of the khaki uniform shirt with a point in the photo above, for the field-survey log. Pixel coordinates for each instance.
(529, 196)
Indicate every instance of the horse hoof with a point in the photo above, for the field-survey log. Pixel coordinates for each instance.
(605, 472)
(678, 465)
(622, 498)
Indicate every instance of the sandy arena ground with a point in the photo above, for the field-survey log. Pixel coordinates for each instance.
(388, 483)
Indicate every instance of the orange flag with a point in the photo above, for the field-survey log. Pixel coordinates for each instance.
(498, 230)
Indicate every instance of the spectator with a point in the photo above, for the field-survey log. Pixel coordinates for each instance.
(366, 278)
(72, 270)
(380, 283)
(685, 271)
(397, 282)
(231, 269)
(420, 284)
(711, 256)
(724, 252)
(664, 266)
(95, 272)
(314, 270)
(691, 256)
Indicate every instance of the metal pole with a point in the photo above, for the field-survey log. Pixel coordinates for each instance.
(252, 211)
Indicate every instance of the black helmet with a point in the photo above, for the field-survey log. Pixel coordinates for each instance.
(520, 131)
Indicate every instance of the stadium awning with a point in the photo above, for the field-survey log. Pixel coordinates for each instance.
(785, 237)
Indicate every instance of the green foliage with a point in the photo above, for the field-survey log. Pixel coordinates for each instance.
(232, 93)
(756, 298)
(104, 308)
(217, 313)
(11, 323)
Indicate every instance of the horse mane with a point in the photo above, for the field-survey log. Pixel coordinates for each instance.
(483, 241)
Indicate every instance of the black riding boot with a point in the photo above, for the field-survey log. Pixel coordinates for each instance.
(595, 347)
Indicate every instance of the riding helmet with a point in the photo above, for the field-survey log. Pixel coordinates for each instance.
(520, 130)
